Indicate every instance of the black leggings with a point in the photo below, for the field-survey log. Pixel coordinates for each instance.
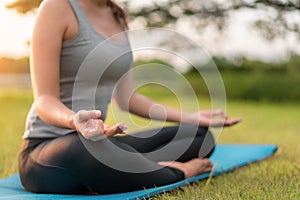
(63, 165)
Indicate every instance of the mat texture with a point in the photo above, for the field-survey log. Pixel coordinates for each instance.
(226, 157)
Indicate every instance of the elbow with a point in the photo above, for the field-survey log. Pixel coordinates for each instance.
(43, 104)
(40, 106)
(127, 102)
(122, 105)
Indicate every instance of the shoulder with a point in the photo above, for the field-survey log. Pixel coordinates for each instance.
(54, 8)
(57, 4)
(54, 12)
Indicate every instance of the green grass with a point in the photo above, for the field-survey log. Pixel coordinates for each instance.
(274, 178)
(14, 106)
(244, 85)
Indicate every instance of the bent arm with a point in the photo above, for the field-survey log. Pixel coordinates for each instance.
(145, 107)
(46, 42)
(129, 100)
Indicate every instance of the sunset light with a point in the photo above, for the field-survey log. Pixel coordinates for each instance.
(16, 29)
(14, 32)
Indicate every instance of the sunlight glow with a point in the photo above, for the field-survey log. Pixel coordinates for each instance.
(15, 31)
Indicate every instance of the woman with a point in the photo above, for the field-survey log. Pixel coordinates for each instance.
(53, 158)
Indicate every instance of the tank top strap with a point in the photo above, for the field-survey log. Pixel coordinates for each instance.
(80, 15)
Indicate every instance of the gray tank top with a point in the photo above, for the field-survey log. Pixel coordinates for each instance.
(90, 66)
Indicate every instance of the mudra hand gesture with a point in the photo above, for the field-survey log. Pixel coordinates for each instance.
(90, 125)
(213, 118)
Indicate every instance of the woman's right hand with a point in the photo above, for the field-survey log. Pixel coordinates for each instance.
(90, 125)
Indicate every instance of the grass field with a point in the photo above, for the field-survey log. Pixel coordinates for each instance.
(278, 177)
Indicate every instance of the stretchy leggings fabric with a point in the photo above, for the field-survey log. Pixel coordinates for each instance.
(63, 165)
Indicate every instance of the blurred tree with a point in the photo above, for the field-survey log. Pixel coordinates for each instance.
(24, 6)
(274, 18)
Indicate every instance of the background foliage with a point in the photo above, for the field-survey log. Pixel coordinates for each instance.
(251, 79)
(272, 19)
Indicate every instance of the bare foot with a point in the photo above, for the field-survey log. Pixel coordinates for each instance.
(192, 167)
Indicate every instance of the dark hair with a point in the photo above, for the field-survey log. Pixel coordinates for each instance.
(118, 11)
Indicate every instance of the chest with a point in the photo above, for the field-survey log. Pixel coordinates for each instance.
(103, 22)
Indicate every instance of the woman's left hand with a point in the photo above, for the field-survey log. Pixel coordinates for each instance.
(213, 118)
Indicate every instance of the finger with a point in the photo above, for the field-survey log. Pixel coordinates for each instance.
(113, 130)
(217, 123)
(232, 121)
(88, 114)
(225, 122)
(213, 113)
(165, 163)
(122, 126)
(218, 112)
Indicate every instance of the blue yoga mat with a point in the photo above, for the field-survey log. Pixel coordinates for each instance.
(225, 158)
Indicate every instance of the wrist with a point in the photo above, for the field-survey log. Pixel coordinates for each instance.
(71, 120)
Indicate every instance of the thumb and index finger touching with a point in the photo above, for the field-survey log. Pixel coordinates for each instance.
(117, 128)
(84, 115)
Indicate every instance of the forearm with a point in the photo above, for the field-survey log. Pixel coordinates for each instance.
(54, 112)
(145, 107)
